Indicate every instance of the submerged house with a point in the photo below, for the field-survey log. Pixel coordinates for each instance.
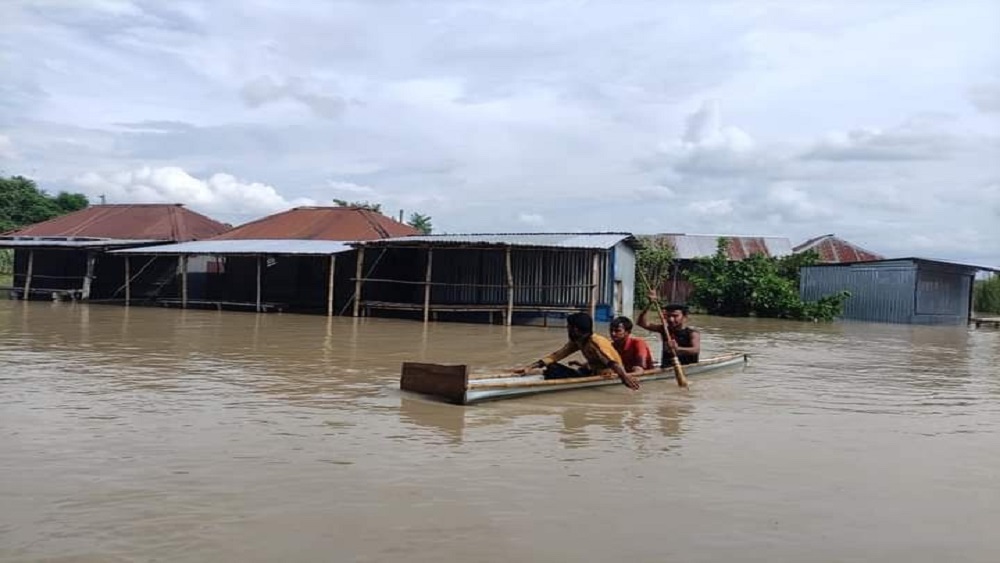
(296, 260)
(688, 248)
(833, 250)
(71, 255)
(901, 290)
(513, 277)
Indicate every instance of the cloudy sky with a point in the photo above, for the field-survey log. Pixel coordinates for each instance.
(877, 120)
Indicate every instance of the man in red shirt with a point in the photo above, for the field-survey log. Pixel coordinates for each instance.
(635, 354)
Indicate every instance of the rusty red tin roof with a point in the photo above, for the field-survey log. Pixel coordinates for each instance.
(129, 221)
(322, 223)
(832, 250)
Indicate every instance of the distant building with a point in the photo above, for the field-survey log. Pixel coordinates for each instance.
(69, 255)
(513, 277)
(295, 260)
(902, 290)
(835, 250)
(688, 248)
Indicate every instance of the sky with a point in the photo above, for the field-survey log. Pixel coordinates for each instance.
(875, 120)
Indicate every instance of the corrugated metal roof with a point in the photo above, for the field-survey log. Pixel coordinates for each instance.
(321, 223)
(892, 262)
(557, 240)
(70, 242)
(157, 221)
(250, 246)
(832, 249)
(688, 247)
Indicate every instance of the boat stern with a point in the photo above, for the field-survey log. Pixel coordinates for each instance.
(449, 382)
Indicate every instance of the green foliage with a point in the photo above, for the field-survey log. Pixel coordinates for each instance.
(6, 261)
(421, 222)
(376, 207)
(22, 203)
(758, 286)
(986, 297)
(653, 262)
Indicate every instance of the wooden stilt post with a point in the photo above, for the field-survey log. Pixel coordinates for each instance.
(184, 281)
(128, 281)
(258, 282)
(427, 285)
(595, 279)
(27, 278)
(329, 288)
(510, 291)
(88, 277)
(358, 273)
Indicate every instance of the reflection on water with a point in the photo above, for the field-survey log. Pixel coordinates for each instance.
(139, 434)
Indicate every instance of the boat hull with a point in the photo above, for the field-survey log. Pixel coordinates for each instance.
(455, 384)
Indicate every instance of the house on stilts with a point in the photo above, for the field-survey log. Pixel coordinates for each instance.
(299, 260)
(71, 255)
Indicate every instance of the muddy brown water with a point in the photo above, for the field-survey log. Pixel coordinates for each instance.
(161, 435)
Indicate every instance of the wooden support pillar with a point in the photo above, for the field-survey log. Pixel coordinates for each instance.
(427, 285)
(88, 276)
(358, 273)
(259, 258)
(329, 286)
(595, 278)
(510, 291)
(184, 281)
(128, 281)
(27, 278)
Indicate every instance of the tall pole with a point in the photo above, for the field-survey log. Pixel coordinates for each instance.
(510, 290)
(27, 278)
(427, 285)
(184, 281)
(128, 281)
(88, 277)
(329, 288)
(358, 272)
(258, 282)
(595, 278)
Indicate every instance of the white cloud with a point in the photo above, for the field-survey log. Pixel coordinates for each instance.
(986, 97)
(532, 219)
(7, 150)
(220, 195)
(611, 116)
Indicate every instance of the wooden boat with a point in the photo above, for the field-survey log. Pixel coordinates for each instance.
(455, 383)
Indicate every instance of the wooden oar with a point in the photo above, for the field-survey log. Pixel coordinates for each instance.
(678, 370)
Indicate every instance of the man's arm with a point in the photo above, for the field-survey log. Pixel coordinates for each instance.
(641, 321)
(694, 348)
(552, 358)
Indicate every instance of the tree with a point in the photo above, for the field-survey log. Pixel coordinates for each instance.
(987, 295)
(759, 286)
(653, 261)
(376, 207)
(22, 203)
(421, 223)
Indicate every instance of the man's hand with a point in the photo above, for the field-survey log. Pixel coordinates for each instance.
(630, 381)
(652, 295)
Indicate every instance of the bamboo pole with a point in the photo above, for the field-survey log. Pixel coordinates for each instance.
(88, 277)
(358, 272)
(128, 281)
(510, 291)
(258, 282)
(184, 281)
(329, 289)
(427, 284)
(27, 278)
(595, 277)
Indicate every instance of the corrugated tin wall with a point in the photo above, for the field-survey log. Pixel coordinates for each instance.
(894, 291)
(881, 293)
(480, 276)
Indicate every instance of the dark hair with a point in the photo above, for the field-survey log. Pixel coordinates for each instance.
(581, 322)
(624, 322)
(677, 307)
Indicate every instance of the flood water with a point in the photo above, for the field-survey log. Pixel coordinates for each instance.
(162, 435)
